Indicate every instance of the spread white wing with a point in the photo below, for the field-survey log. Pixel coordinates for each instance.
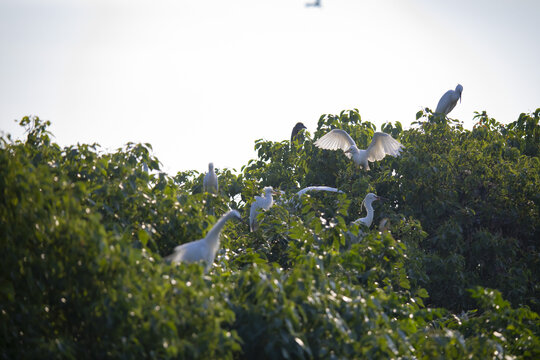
(381, 145)
(336, 139)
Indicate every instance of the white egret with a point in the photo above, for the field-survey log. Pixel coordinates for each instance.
(260, 202)
(203, 249)
(210, 181)
(312, 188)
(381, 145)
(317, 188)
(368, 200)
(299, 126)
(449, 100)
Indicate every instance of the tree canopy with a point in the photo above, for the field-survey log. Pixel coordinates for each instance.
(453, 273)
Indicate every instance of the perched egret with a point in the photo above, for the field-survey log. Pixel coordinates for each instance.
(368, 200)
(317, 188)
(299, 126)
(260, 202)
(203, 249)
(381, 145)
(449, 100)
(299, 194)
(210, 181)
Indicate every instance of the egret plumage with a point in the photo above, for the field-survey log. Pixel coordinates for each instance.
(295, 199)
(382, 144)
(203, 249)
(261, 202)
(367, 203)
(299, 126)
(317, 188)
(449, 100)
(210, 181)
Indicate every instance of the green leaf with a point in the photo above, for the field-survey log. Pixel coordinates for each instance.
(143, 237)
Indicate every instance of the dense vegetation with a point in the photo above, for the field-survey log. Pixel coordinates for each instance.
(453, 274)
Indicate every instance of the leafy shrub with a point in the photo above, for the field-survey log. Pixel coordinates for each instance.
(84, 233)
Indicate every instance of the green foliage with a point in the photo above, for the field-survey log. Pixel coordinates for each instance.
(479, 201)
(73, 283)
(499, 328)
(84, 233)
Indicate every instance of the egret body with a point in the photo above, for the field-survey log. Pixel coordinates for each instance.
(368, 200)
(210, 181)
(311, 188)
(317, 188)
(261, 202)
(449, 100)
(381, 145)
(203, 249)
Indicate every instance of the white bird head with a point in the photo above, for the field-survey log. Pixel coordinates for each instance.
(236, 214)
(353, 149)
(210, 167)
(371, 197)
(367, 204)
(459, 89)
(268, 191)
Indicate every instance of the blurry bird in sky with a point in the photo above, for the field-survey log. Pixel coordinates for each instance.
(316, 3)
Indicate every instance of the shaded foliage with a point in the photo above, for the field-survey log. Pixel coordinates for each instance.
(84, 233)
(479, 201)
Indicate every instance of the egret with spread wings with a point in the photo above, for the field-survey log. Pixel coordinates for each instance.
(381, 145)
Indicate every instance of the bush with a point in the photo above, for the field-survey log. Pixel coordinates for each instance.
(84, 233)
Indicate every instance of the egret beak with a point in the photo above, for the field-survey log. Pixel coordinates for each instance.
(381, 198)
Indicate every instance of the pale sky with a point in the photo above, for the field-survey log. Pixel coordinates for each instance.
(202, 80)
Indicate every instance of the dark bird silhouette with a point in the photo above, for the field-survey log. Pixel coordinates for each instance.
(299, 126)
(317, 3)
